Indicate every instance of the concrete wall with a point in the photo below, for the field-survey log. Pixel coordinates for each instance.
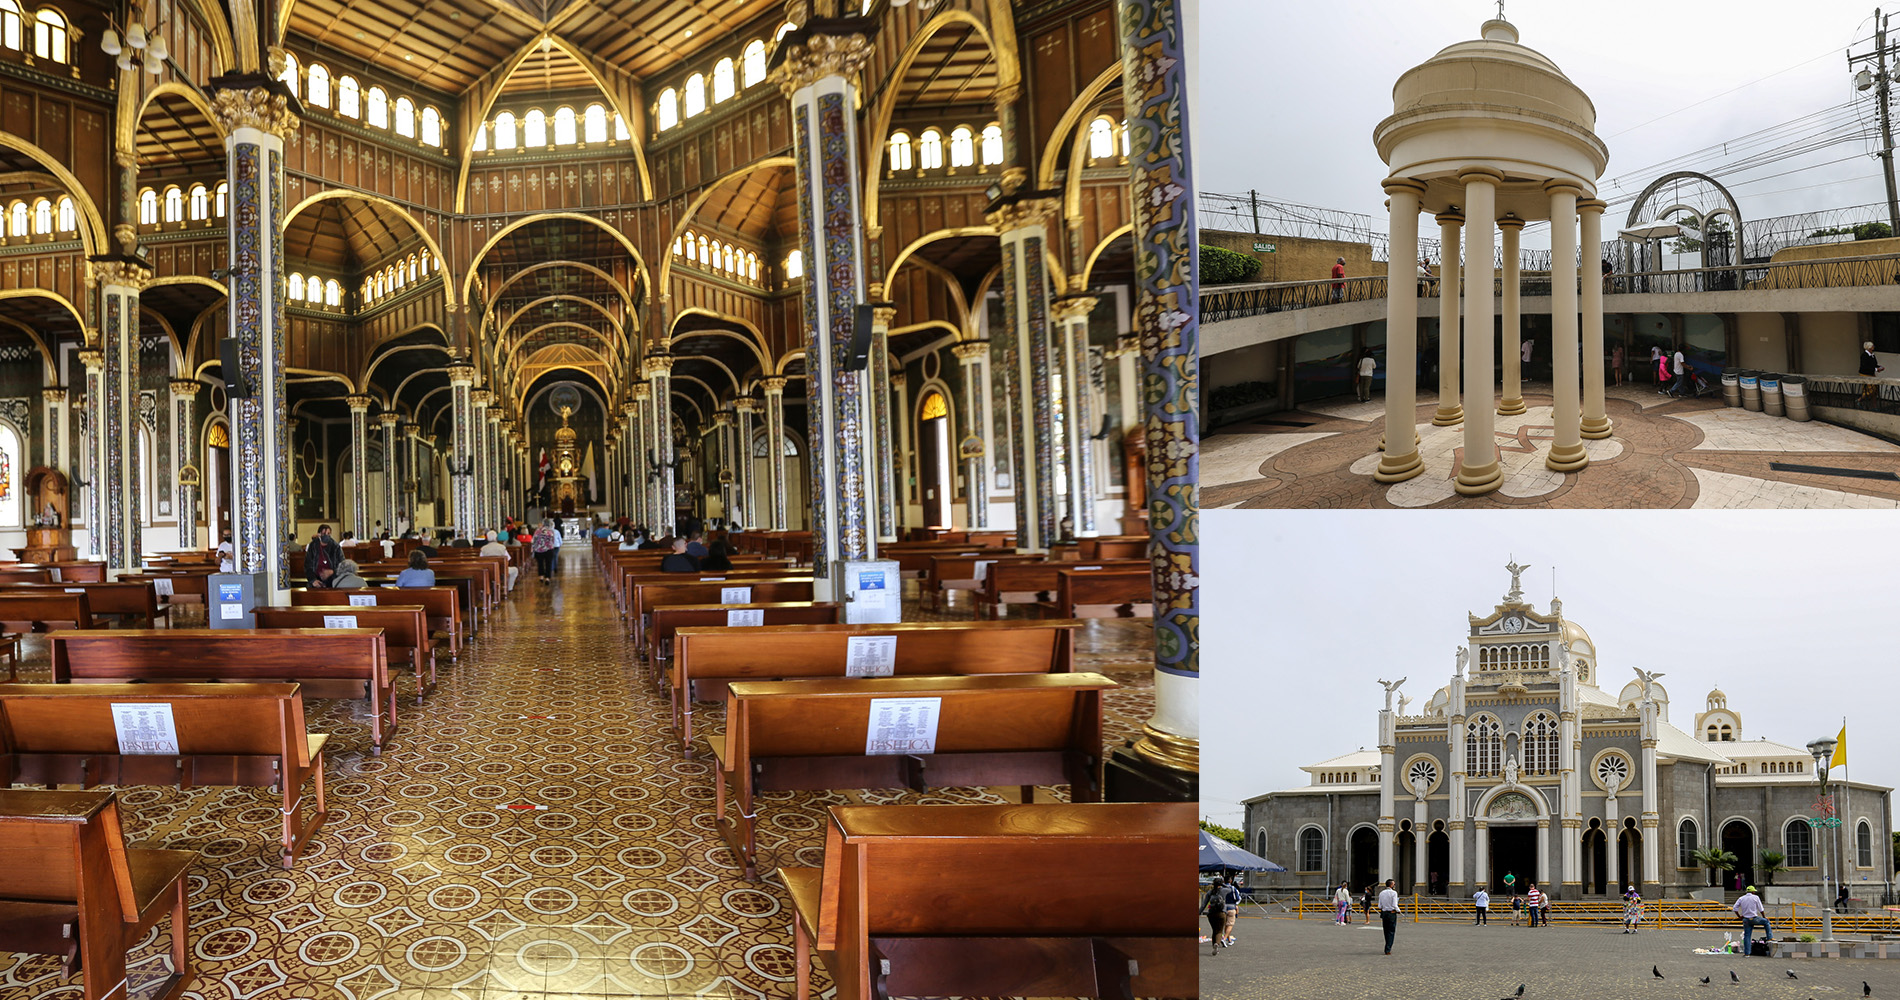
(1296, 259)
(1256, 363)
(1835, 251)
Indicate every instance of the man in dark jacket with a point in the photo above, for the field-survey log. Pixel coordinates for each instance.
(321, 558)
(678, 561)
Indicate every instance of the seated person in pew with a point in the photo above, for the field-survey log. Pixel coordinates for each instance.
(696, 543)
(495, 548)
(679, 561)
(349, 576)
(719, 559)
(417, 573)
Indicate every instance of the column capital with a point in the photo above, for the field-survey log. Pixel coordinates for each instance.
(774, 385)
(1074, 307)
(126, 272)
(881, 316)
(358, 401)
(641, 392)
(629, 408)
(187, 387)
(1481, 175)
(722, 418)
(1591, 206)
(388, 420)
(1014, 212)
(93, 358)
(1450, 217)
(1511, 224)
(970, 352)
(1393, 185)
(898, 378)
(461, 375)
(254, 107)
(480, 397)
(745, 404)
(655, 365)
(57, 393)
(1562, 186)
(412, 431)
(816, 56)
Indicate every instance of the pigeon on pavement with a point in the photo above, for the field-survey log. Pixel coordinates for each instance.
(1656, 972)
(1732, 977)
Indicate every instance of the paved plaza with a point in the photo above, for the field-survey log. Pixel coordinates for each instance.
(1281, 958)
(1665, 453)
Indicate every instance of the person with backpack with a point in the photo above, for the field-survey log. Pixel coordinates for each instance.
(547, 545)
(1215, 907)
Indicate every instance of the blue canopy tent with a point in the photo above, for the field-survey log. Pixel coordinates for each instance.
(1218, 855)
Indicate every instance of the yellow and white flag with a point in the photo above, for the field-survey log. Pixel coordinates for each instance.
(1840, 750)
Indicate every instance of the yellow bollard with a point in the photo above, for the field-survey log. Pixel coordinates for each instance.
(1300, 914)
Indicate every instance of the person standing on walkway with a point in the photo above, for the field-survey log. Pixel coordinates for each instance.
(1517, 909)
(1684, 387)
(1389, 912)
(1632, 909)
(1339, 282)
(1534, 903)
(547, 545)
(1364, 383)
(1342, 905)
(1753, 914)
(1616, 364)
(1481, 900)
(1870, 367)
(1656, 364)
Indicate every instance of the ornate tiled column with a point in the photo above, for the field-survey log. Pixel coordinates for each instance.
(1596, 423)
(721, 465)
(462, 449)
(411, 476)
(1450, 280)
(906, 455)
(51, 453)
(359, 463)
(1073, 315)
(634, 448)
(392, 473)
(883, 439)
(658, 371)
(1028, 354)
(1164, 762)
(118, 283)
(92, 457)
(254, 114)
(497, 467)
(815, 73)
(744, 408)
(774, 387)
(482, 475)
(974, 356)
(184, 448)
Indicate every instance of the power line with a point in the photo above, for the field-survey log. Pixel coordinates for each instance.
(1724, 93)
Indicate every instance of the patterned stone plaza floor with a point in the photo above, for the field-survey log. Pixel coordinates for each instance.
(1284, 958)
(1665, 452)
(606, 879)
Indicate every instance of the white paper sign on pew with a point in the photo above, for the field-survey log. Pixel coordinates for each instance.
(745, 617)
(145, 729)
(735, 595)
(339, 621)
(870, 656)
(362, 600)
(902, 725)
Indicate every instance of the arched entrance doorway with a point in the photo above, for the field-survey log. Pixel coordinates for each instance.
(1405, 857)
(934, 458)
(1596, 859)
(1438, 855)
(1738, 838)
(217, 480)
(1365, 858)
(1629, 854)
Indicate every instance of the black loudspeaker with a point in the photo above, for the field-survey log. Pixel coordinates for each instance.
(235, 386)
(860, 357)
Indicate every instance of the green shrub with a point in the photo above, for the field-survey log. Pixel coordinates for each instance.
(1228, 397)
(1222, 267)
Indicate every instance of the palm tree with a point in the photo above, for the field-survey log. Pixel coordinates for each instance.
(1772, 862)
(1715, 860)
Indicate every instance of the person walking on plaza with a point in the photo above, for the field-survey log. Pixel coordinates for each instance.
(1389, 912)
(1366, 899)
(1342, 905)
(1632, 909)
(1222, 906)
(547, 545)
(1753, 914)
(1339, 283)
(1364, 382)
(1684, 385)
(1656, 364)
(1481, 901)
(1534, 903)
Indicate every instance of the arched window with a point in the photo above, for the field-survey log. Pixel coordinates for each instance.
(289, 76)
(962, 147)
(534, 129)
(1260, 843)
(992, 145)
(17, 217)
(296, 287)
(704, 258)
(692, 251)
(332, 293)
(565, 133)
(347, 97)
(679, 247)
(217, 207)
(695, 94)
(1864, 845)
(722, 80)
(69, 219)
(668, 113)
(1122, 131)
(930, 150)
(405, 117)
(1312, 849)
(752, 266)
(1799, 843)
(398, 280)
(1101, 139)
(11, 508)
(43, 215)
(431, 127)
(729, 259)
(712, 262)
(200, 206)
(505, 130)
(620, 129)
(49, 35)
(313, 291)
(481, 137)
(783, 28)
(594, 124)
(795, 264)
(900, 150)
(1484, 747)
(412, 267)
(174, 205)
(1539, 744)
(10, 24)
(378, 105)
(367, 297)
(317, 85)
(754, 59)
(1686, 845)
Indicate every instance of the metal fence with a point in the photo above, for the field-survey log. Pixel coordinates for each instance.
(1855, 392)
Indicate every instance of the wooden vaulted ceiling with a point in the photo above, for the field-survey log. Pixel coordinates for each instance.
(550, 70)
(350, 234)
(954, 67)
(649, 37)
(173, 132)
(762, 204)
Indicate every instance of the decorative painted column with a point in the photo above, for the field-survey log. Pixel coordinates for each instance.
(186, 475)
(1512, 402)
(1029, 355)
(497, 469)
(1401, 461)
(635, 465)
(1596, 423)
(119, 281)
(815, 72)
(1480, 473)
(411, 475)
(883, 439)
(392, 474)
(774, 387)
(744, 407)
(255, 116)
(1566, 444)
(974, 356)
(1072, 313)
(721, 464)
(658, 371)
(462, 449)
(1164, 762)
(477, 451)
(359, 463)
(1450, 281)
(92, 420)
(55, 423)
(906, 455)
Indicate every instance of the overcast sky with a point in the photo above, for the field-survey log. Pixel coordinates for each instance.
(1289, 93)
(1791, 613)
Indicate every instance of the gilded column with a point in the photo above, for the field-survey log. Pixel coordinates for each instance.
(92, 420)
(1596, 423)
(359, 463)
(118, 281)
(1512, 325)
(723, 474)
(774, 387)
(254, 113)
(974, 356)
(1077, 404)
(636, 470)
(1480, 472)
(883, 440)
(392, 474)
(462, 449)
(1028, 354)
(658, 370)
(1450, 280)
(816, 74)
(411, 475)
(186, 476)
(1401, 460)
(50, 452)
(744, 407)
(1566, 444)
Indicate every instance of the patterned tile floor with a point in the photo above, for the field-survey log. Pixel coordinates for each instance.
(531, 831)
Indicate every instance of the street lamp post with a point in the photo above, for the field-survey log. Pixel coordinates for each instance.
(1822, 750)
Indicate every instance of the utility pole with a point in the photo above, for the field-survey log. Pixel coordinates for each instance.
(1879, 80)
(1254, 198)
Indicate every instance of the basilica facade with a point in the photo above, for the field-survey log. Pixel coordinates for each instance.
(1526, 768)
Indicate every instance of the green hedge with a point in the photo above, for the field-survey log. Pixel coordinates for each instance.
(1222, 267)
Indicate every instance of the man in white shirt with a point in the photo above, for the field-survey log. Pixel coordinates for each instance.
(1753, 914)
(1481, 900)
(227, 554)
(495, 548)
(1683, 384)
(1366, 367)
(1389, 912)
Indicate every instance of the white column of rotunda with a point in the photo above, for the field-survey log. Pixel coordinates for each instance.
(1486, 135)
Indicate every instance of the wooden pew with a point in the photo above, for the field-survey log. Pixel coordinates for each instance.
(228, 734)
(1105, 593)
(991, 901)
(804, 735)
(1034, 582)
(339, 662)
(190, 584)
(126, 599)
(705, 660)
(405, 631)
(442, 605)
(962, 570)
(1111, 547)
(65, 870)
(662, 589)
(43, 609)
(670, 618)
(25, 574)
